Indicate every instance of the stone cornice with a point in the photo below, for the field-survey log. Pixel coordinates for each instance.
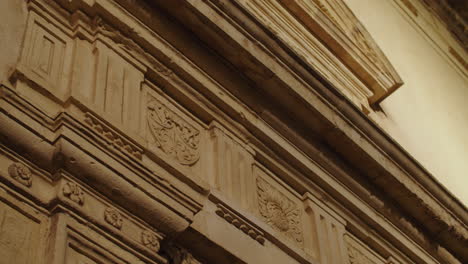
(336, 26)
(454, 14)
(306, 103)
(345, 129)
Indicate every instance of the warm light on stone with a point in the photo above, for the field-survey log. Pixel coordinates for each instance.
(232, 131)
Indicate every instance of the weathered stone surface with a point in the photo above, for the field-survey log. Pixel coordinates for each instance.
(180, 132)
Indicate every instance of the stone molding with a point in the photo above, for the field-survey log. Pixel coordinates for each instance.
(237, 221)
(342, 34)
(61, 148)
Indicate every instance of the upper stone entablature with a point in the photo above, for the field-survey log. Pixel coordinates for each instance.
(326, 34)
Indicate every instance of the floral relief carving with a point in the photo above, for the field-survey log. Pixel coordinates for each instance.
(278, 211)
(113, 217)
(20, 173)
(150, 240)
(172, 134)
(74, 192)
(357, 257)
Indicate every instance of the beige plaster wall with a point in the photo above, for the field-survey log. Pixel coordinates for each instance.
(428, 115)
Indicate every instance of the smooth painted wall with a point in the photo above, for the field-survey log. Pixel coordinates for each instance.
(428, 115)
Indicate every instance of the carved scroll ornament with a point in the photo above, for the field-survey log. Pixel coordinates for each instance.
(21, 173)
(173, 135)
(278, 211)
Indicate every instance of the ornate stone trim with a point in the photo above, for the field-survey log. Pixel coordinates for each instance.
(129, 45)
(238, 222)
(357, 257)
(113, 217)
(21, 173)
(150, 240)
(172, 134)
(74, 192)
(112, 137)
(459, 58)
(278, 211)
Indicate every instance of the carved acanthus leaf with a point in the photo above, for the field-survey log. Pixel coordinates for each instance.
(172, 134)
(278, 211)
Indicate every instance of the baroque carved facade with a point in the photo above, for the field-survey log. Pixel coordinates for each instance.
(189, 132)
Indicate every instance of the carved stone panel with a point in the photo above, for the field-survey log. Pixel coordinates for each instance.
(45, 59)
(172, 134)
(358, 253)
(279, 211)
(117, 87)
(232, 166)
(18, 236)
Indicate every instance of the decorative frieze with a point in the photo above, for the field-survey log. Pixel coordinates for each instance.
(173, 135)
(279, 211)
(358, 253)
(239, 223)
(112, 137)
(21, 173)
(74, 192)
(113, 217)
(150, 240)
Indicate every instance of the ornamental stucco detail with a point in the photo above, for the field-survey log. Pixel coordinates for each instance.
(113, 217)
(356, 256)
(173, 135)
(74, 192)
(20, 173)
(150, 240)
(279, 211)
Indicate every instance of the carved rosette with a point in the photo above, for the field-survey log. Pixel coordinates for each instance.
(20, 173)
(150, 240)
(172, 134)
(278, 211)
(74, 192)
(113, 217)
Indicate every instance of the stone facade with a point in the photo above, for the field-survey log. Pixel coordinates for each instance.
(192, 132)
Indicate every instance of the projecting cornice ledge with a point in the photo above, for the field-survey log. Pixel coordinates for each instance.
(313, 104)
